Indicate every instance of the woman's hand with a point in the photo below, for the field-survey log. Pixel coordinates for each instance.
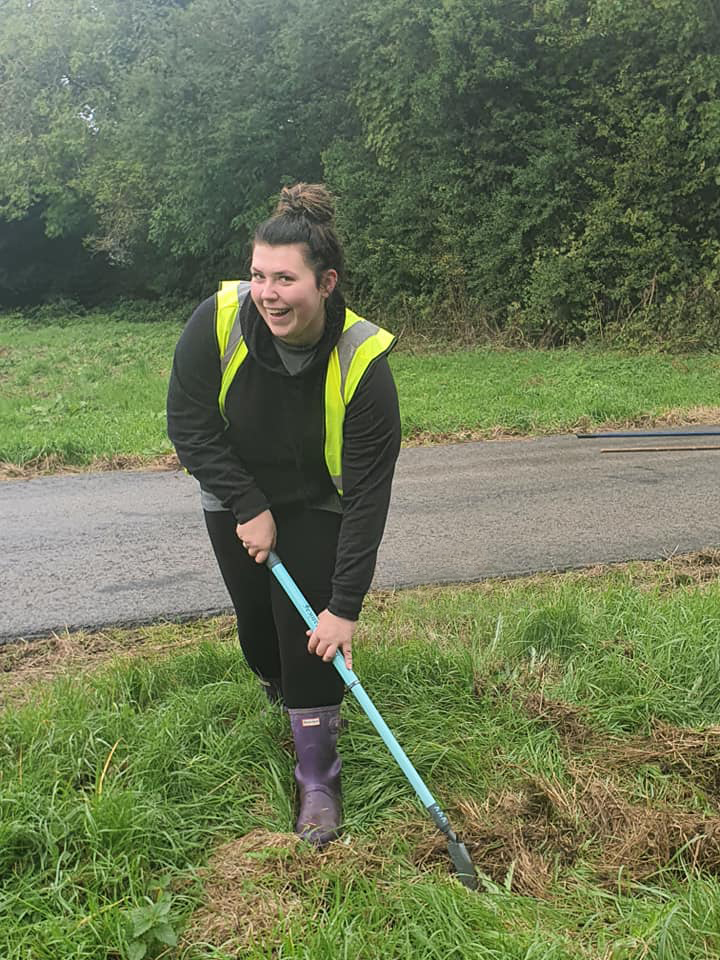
(332, 634)
(258, 535)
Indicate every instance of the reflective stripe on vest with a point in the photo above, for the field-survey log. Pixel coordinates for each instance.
(360, 343)
(229, 335)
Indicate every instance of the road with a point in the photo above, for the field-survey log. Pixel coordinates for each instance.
(94, 550)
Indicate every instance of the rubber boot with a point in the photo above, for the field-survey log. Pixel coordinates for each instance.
(273, 691)
(315, 732)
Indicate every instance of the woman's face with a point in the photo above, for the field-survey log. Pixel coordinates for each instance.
(286, 293)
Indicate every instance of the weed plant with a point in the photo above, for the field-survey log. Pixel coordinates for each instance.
(565, 723)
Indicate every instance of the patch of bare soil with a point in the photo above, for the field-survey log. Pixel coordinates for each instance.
(53, 465)
(510, 839)
(528, 838)
(27, 663)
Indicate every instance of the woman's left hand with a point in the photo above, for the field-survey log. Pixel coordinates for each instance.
(332, 634)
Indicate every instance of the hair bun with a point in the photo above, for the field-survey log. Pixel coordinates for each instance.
(311, 200)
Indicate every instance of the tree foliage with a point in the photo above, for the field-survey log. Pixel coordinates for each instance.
(551, 165)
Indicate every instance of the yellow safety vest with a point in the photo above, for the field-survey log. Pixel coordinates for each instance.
(360, 343)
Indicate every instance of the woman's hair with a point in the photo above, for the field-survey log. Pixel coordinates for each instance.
(305, 214)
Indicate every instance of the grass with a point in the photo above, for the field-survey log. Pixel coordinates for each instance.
(92, 389)
(84, 390)
(530, 392)
(566, 724)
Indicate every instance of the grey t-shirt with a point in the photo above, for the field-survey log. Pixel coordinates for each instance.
(294, 359)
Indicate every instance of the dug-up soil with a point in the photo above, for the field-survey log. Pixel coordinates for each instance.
(531, 838)
(692, 755)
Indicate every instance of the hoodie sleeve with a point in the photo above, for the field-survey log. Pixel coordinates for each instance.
(371, 445)
(195, 425)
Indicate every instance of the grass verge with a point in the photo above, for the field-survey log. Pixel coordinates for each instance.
(91, 391)
(566, 723)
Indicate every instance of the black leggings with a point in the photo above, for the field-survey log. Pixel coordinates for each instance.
(271, 631)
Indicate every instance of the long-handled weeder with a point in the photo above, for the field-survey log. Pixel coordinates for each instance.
(458, 853)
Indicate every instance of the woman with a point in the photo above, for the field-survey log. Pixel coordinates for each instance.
(282, 405)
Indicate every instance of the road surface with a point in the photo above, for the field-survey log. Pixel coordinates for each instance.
(95, 550)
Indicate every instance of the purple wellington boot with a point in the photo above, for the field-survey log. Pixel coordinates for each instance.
(315, 732)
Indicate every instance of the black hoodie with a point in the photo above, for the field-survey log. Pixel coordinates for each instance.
(270, 454)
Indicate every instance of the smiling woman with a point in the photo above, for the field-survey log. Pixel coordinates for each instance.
(282, 405)
(285, 290)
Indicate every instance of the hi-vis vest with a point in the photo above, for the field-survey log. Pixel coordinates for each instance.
(360, 343)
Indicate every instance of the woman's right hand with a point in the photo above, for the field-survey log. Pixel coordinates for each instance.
(258, 535)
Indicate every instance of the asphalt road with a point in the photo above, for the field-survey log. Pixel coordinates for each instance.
(104, 549)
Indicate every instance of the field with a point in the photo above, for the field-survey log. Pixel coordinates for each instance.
(91, 391)
(566, 723)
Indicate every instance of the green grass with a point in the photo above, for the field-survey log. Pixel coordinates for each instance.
(548, 391)
(84, 390)
(94, 387)
(518, 703)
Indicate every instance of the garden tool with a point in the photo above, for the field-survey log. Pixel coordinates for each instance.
(457, 850)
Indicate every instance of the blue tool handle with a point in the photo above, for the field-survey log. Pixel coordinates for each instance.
(353, 684)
